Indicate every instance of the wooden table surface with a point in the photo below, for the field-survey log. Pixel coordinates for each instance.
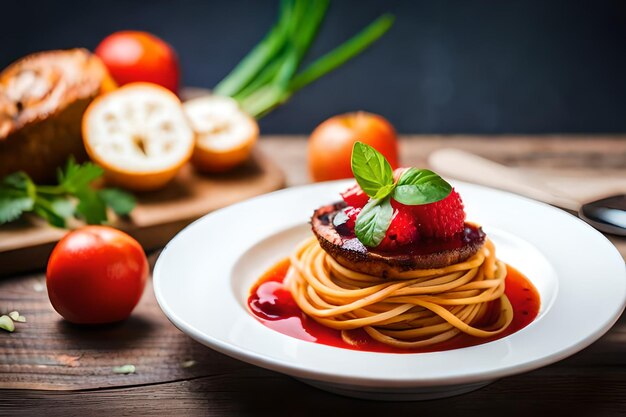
(48, 367)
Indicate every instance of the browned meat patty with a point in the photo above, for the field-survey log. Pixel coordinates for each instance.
(345, 248)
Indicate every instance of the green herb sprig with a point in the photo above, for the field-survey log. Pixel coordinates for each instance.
(270, 73)
(72, 197)
(375, 177)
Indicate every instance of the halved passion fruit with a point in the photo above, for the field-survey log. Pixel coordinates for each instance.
(139, 135)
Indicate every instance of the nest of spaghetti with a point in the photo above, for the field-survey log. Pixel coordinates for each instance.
(407, 296)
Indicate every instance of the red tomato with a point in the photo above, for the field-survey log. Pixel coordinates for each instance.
(96, 274)
(330, 144)
(140, 56)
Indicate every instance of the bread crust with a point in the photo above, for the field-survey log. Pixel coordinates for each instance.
(42, 100)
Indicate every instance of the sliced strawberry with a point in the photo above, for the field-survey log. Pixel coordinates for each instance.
(442, 219)
(355, 196)
(352, 214)
(402, 229)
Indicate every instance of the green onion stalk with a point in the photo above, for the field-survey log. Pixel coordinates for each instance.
(270, 73)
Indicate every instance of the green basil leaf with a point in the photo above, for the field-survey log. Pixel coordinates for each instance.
(384, 191)
(373, 221)
(370, 168)
(420, 186)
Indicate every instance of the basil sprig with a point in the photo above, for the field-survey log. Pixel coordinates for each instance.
(371, 171)
(375, 177)
(373, 221)
(420, 186)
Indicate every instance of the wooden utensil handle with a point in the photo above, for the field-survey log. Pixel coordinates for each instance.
(473, 168)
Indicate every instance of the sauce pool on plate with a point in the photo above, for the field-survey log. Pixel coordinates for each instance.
(272, 304)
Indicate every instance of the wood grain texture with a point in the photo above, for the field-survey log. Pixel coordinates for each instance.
(26, 244)
(54, 357)
(590, 383)
(48, 353)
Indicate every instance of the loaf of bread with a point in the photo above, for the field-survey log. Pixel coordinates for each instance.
(42, 100)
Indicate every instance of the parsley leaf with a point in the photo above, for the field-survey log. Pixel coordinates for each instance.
(121, 202)
(78, 177)
(17, 195)
(20, 181)
(44, 208)
(63, 207)
(90, 206)
(13, 203)
(73, 196)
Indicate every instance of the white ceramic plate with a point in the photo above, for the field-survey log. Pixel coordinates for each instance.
(203, 277)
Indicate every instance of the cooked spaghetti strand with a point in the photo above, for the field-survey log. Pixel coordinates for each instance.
(414, 309)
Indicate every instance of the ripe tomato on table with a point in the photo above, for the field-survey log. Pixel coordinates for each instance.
(330, 144)
(96, 274)
(132, 56)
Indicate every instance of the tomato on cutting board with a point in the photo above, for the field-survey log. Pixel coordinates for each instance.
(96, 274)
(330, 144)
(133, 56)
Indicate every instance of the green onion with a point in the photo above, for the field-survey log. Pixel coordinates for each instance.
(256, 59)
(305, 33)
(264, 100)
(268, 75)
(343, 53)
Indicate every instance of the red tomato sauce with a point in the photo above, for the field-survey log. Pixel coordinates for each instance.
(272, 304)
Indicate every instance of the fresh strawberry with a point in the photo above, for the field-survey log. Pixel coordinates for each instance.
(442, 219)
(355, 196)
(352, 213)
(402, 229)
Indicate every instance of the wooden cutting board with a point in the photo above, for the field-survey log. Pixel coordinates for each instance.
(26, 244)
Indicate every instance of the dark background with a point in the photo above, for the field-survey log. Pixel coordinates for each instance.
(445, 66)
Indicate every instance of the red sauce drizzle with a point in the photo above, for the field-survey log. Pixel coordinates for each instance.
(273, 305)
